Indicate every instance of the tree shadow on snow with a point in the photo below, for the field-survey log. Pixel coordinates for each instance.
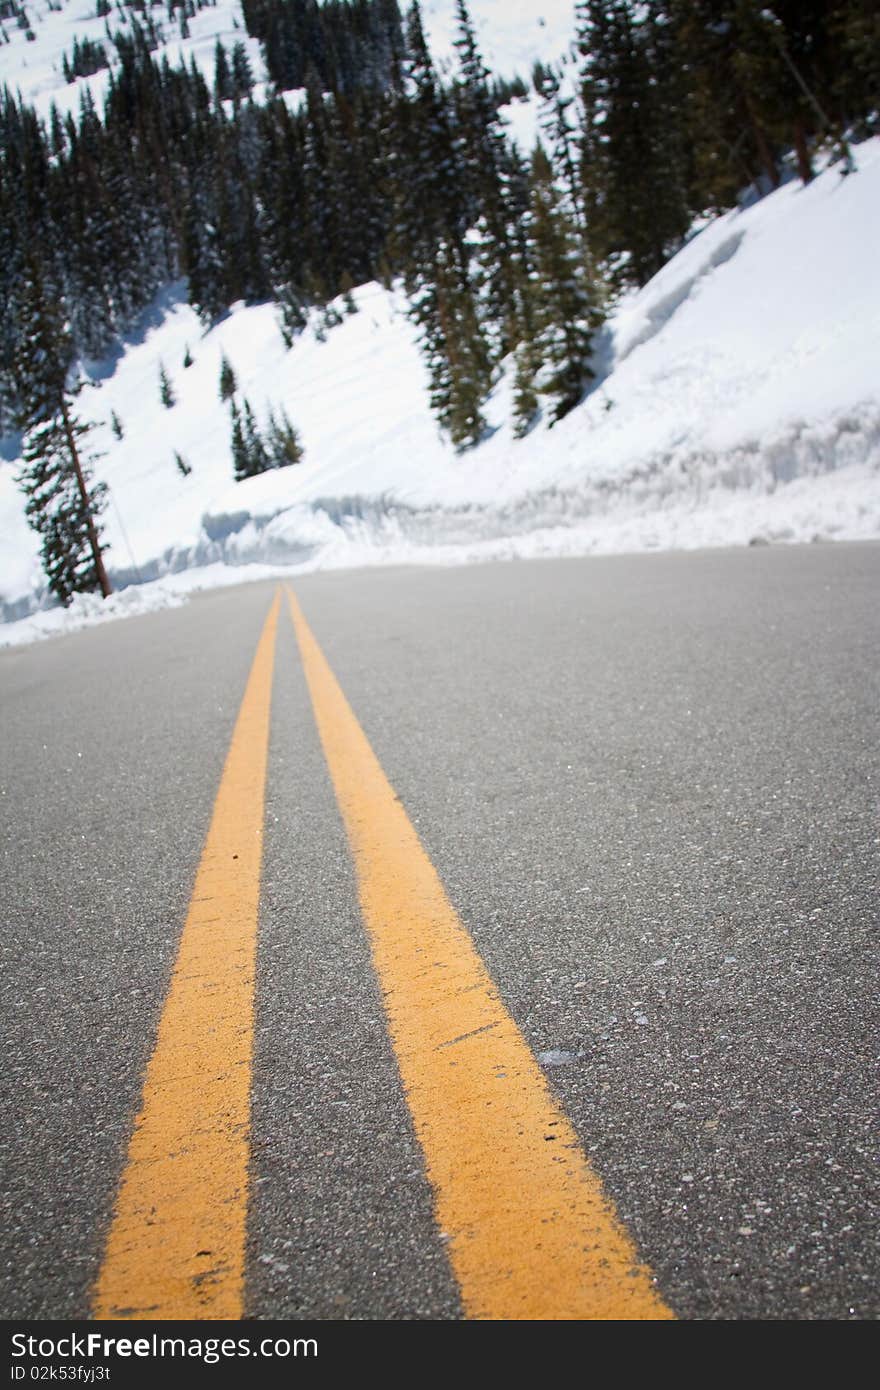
(153, 316)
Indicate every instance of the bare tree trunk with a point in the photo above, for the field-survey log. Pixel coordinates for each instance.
(100, 571)
(805, 167)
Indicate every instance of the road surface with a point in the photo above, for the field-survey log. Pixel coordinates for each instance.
(649, 789)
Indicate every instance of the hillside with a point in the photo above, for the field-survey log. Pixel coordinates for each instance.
(513, 35)
(735, 400)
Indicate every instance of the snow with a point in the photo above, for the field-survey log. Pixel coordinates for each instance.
(35, 69)
(512, 34)
(521, 119)
(512, 37)
(736, 400)
(87, 610)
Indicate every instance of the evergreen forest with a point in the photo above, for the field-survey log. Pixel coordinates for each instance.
(382, 167)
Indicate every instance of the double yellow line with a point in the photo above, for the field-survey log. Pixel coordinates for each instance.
(530, 1233)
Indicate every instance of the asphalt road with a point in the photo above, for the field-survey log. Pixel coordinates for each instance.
(650, 788)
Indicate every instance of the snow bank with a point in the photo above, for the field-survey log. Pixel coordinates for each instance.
(87, 610)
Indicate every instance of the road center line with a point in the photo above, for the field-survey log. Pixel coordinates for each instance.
(531, 1235)
(177, 1241)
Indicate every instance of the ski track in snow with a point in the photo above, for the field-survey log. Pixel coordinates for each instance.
(736, 399)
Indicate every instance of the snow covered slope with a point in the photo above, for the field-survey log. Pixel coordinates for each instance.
(512, 35)
(34, 67)
(737, 399)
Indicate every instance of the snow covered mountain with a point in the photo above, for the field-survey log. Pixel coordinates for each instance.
(736, 396)
(513, 34)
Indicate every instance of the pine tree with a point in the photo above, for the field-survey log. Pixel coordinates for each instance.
(486, 164)
(728, 147)
(240, 462)
(242, 74)
(346, 286)
(250, 454)
(563, 303)
(525, 397)
(116, 425)
(203, 252)
(166, 390)
(854, 27)
(633, 154)
(278, 182)
(757, 80)
(475, 109)
(187, 357)
(63, 502)
(454, 346)
(293, 315)
(561, 137)
(182, 466)
(222, 76)
(284, 446)
(228, 381)
(426, 190)
(257, 454)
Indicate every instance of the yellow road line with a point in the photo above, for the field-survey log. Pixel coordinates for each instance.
(530, 1232)
(176, 1244)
